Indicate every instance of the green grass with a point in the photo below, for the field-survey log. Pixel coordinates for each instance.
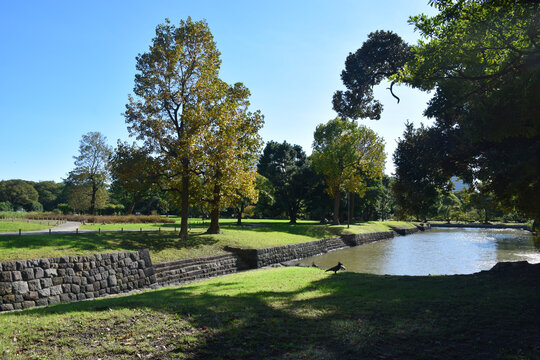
(12, 226)
(166, 245)
(292, 313)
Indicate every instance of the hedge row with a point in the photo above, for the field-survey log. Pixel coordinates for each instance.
(99, 219)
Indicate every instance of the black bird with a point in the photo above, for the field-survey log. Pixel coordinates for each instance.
(336, 268)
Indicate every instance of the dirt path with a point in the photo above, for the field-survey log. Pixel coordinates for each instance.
(67, 227)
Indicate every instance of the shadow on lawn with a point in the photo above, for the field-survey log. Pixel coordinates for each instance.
(359, 316)
(111, 241)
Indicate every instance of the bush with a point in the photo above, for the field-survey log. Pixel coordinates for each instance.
(98, 219)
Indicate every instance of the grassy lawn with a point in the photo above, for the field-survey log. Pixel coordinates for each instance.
(292, 313)
(166, 245)
(12, 226)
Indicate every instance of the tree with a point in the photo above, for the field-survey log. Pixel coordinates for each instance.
(48, 194)
(486, 93)
(449, 205)
(90, 173)
(20, 194)
(286, 167)
(133, 171)
(176, 81)
(481, 59)
(266, 206)
(383, 54)
(346, 154)
(81, 197)
(230, 149)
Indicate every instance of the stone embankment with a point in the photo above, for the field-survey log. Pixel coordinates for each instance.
(29, 283)
(181, 271)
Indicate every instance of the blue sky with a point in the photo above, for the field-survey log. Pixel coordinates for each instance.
(67, 67)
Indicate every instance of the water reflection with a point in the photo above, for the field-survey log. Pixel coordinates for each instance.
(437, 252)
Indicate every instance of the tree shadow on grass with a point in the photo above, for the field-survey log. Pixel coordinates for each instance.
(349, 316)
(110, 241)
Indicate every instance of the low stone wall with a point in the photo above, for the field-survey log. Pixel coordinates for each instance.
(257, 258)
(28, 283)
(180, 271)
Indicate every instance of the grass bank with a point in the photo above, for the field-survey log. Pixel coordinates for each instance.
(292, 313)
(166, 245)
(12, 226)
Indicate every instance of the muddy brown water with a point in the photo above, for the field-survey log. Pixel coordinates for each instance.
(440, 251)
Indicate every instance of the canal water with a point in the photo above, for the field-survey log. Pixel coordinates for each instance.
(438, 251)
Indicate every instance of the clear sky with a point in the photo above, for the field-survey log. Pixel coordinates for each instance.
(67, 67)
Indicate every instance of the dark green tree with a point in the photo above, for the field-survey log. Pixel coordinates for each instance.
(481, 59)
(20, 193)
(416, 194)
(49, 193)
(383, 54)
(286, 167)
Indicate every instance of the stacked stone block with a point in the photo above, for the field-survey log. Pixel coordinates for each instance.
(181, 271)
(28, 283)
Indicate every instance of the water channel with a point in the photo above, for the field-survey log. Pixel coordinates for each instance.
(438, 251)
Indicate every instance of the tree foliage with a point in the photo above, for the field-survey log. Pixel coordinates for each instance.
(286, 166)
(482, 60)
(196, 126)
(19, 193)
(91, 171)
(230, 150)
(346, 154)
(383, 54)
(175, 83)
(49, 193)
(133, 170)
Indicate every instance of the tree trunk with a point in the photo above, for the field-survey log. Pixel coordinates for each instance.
(337, 199)
(93, 199)
(351, 208)
(239, 214)
(214, 211)
(184, 212)
(214, 221)
(131, 207)
(292, 214)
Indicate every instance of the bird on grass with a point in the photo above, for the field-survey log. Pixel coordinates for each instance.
(336, 268)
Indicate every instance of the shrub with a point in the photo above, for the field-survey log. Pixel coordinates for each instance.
(98, 219)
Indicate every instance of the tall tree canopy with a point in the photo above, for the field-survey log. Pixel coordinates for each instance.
(383, 54)
(286, 166)
(19, 193)
(91, 170)
(230, 150)
(196, 125)
(176, 81)
(347, 154)
(482, 60)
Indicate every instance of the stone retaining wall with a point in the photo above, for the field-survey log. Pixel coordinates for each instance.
(257, 258)
(28, 283)
(180, 271)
